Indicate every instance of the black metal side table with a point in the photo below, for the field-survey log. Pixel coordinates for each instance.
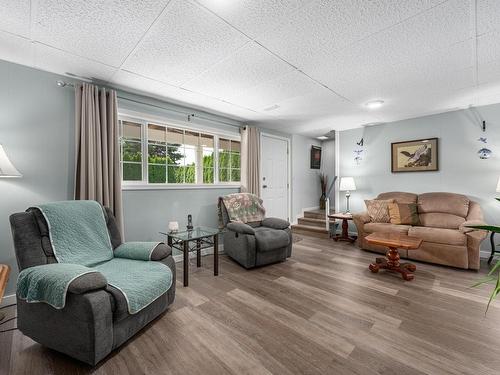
(493, 251)
(197, 239)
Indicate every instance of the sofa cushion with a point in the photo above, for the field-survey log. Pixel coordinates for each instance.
(378, 210)
(439, 235)
(447, 203)
(386, 228)
(441, 220)
(399, 197)
(404, 213)
(271, 239)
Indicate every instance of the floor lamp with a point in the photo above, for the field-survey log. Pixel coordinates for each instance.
(7, 170)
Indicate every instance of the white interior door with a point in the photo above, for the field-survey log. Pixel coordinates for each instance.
(274, 176)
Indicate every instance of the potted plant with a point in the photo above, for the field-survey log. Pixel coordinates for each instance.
(493, 276)
(323, 180)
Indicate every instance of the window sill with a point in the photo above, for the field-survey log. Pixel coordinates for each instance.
(178, 187)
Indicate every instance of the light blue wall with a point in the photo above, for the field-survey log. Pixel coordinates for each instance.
(460, 169)
(306, 189)
(37, 132)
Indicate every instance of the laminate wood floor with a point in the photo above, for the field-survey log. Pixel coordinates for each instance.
(321, 312)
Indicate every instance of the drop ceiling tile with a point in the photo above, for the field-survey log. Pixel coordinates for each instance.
(186, 41)
(16, 49)
(267, 94)
(105, 31)
(248, 67)
(488, 47)
(253, 17)
(15, 17)
(60, 62)
(332, 25)
(177, 95)
(488, 16)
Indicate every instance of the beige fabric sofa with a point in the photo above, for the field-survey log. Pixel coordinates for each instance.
(443, 220)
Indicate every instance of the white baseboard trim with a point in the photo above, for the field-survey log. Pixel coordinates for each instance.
(296, 218)
(8, 300)
(192, 254)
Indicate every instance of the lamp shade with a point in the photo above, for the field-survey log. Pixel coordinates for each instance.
(498, 185)
(6, 167)
(347, 183)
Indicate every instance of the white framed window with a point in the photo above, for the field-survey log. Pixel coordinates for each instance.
(155, 154)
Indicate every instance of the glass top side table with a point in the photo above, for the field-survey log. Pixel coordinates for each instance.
(197, 239)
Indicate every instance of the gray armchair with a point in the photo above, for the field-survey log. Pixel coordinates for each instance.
(258, 243)
(95, 319)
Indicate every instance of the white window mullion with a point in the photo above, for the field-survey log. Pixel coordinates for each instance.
(216, 159)
(144, 139)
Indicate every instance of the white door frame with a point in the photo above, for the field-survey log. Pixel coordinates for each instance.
(289, 167)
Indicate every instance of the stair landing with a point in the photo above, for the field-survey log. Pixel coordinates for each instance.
(313, 224)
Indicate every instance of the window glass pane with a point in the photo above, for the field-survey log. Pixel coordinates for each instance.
(224, 175)
(189, 156)
(235, 160)
(131, 130)
(175, 136)
(224, 144)
(224, 158)
(207, 140)
(131, 151)
(157, 174)
(192, 138)
(175, 174)
(176, 155)
(235, 146)
(208, 175)
(157, 154)
(235, 175)
(190, 174)
(157, 133)
(132, 172)
(208, 158)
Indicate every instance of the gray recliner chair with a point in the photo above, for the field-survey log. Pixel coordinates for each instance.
(95, 319)
(258, 243)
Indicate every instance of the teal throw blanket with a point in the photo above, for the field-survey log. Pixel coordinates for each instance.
(49, 282)
(140, 282)
(136, 250)
(78, 232)
(80, 239)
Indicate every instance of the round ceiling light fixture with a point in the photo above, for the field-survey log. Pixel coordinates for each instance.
(374, 104)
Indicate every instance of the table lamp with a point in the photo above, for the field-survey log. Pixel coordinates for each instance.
(6, 167)
(347, 184)
(6, 170)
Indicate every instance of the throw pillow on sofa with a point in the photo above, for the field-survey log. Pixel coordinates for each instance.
(378, 209)
(404, 213)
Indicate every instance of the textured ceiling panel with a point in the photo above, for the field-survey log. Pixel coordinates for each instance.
(15, 16)
(253, 17)
(294, 84)
(248, 67)
(489, 72)
(186, 41)
(177, 95)
(450, 68)
(54, 60)
(332, 25)
(106, 31)
(16, 49)
(488, 48)
(488, 16)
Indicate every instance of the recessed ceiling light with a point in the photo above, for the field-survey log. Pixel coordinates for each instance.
(322, 137)
(374, 104)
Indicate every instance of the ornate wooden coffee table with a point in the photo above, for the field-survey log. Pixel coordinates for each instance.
(394, 241)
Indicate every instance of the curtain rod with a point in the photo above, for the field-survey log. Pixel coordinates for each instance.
(189, 115)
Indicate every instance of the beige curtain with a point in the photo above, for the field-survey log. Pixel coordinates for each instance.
(250, 160)
(97, 148)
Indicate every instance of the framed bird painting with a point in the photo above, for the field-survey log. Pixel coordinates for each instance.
(415, 156)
